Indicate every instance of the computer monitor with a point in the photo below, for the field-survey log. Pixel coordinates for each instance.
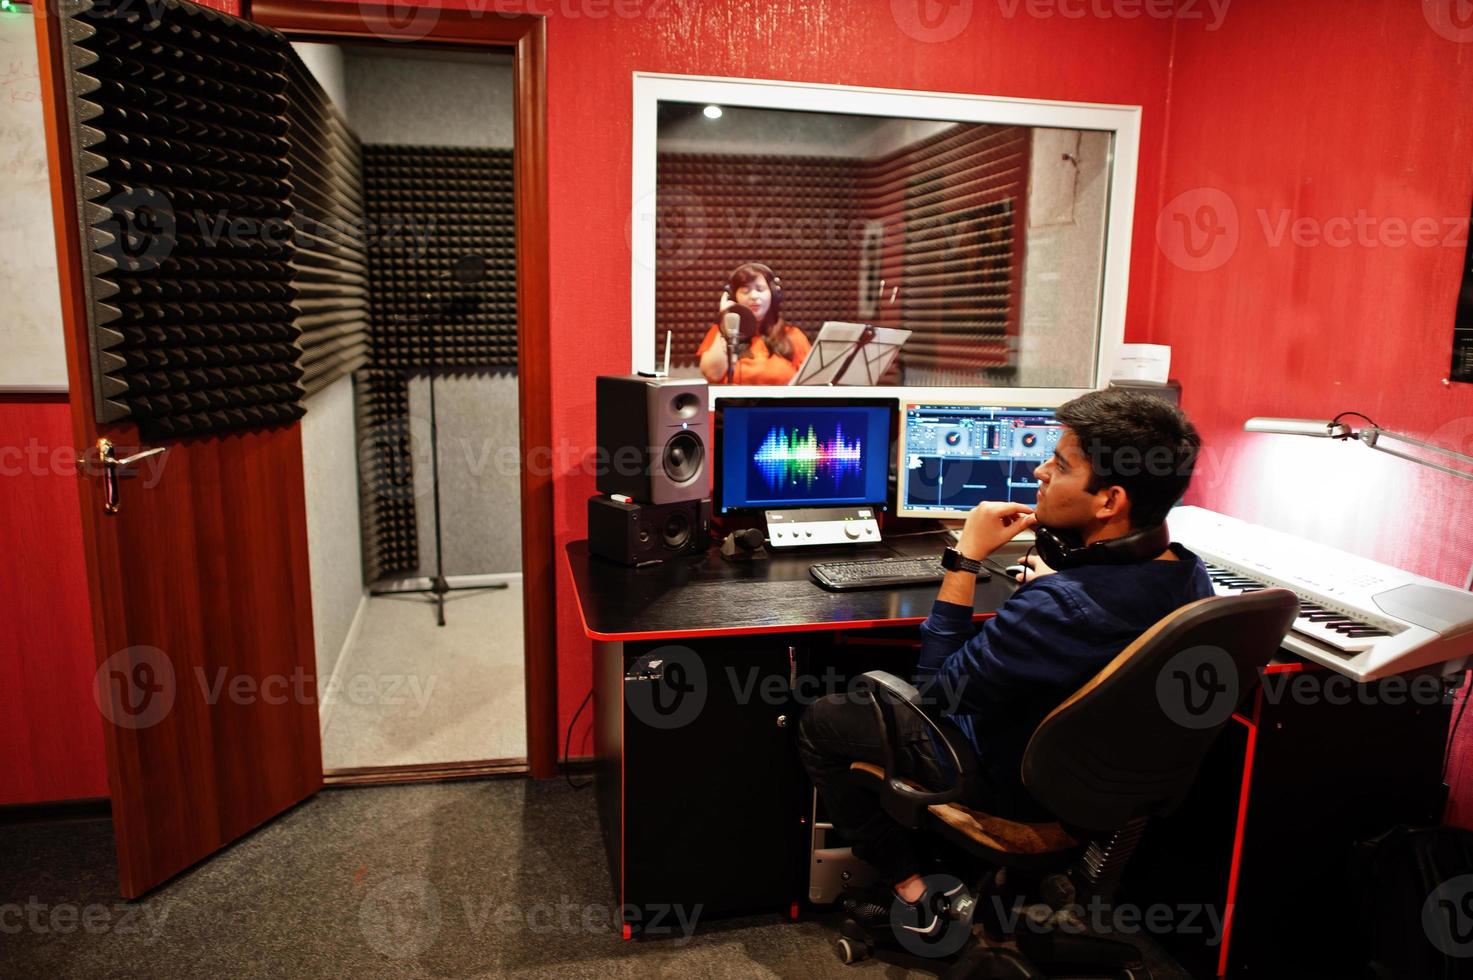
(790, 453)
(954, 456)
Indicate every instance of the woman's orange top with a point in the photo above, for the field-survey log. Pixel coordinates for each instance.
(764, 367)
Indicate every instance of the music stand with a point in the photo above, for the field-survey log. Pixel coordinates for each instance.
(850, 354)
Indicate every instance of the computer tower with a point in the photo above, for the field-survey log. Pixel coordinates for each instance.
(652, 438)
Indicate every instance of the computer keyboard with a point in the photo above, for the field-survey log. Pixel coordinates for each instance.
(876, 573)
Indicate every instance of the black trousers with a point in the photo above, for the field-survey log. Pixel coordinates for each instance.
(840, 729)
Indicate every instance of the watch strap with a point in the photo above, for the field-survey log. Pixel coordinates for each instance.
(954, 561)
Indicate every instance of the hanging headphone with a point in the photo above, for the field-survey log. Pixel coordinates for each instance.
(1062, 549)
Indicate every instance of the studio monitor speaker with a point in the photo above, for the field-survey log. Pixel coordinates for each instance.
(653, 438)
(636, 534)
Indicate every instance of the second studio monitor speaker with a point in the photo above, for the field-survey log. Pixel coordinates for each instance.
(637, 534)
(653, 438)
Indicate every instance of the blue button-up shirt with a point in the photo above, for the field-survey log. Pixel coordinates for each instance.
(1056, 632)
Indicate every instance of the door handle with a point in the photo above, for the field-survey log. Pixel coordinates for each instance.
(112, 470)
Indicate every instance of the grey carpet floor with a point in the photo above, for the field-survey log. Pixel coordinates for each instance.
(449, 880)
(452, 693)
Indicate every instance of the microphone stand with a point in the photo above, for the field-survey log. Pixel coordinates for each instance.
(467, 272)
(731, 356)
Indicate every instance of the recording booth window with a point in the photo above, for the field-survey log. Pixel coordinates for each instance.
(986, 242)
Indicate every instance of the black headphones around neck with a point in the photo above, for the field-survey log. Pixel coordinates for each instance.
(1063, 549)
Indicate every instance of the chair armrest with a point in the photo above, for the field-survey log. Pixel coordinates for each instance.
(907, 798)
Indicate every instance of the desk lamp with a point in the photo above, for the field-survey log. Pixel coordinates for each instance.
(1371, 434)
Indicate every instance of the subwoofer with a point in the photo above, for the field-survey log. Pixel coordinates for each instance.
(652, 438)
(637, 534)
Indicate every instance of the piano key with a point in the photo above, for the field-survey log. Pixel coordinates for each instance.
(1339, 641)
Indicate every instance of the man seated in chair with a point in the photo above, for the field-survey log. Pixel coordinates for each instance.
(1123, 461)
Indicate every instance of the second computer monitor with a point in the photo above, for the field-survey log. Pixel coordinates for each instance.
(954, 456)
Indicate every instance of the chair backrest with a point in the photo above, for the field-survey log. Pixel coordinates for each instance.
(1129, 742)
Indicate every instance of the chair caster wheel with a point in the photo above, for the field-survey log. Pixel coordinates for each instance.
(852, 950)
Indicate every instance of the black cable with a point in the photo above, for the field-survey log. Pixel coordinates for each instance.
(1027, 567)
(921, 534)
(1360, 415)
(568, 743)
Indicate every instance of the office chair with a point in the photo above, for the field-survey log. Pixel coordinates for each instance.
(1117, 753)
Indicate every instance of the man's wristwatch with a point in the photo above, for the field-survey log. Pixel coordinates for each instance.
(954, 561)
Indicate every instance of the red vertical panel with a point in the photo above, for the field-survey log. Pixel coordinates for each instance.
(49, 726)
(50, 730)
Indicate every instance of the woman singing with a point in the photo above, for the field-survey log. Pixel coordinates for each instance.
(771, 357)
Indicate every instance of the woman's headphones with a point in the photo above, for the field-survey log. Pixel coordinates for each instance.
(773, 282)
(1061, 549)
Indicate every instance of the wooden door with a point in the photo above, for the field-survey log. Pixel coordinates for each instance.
(200, 599)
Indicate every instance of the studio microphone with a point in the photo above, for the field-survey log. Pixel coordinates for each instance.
(731, 325)
(469, 269)
(738, 324)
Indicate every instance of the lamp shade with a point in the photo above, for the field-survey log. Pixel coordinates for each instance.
(1321, 428)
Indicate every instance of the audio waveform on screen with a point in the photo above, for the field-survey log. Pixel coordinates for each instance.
(787, 458)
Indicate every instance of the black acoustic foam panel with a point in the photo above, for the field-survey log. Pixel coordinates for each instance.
(330, 271)
(796, 214)
(180, 139)
(428, 207)
(960, 195)
(952, 205)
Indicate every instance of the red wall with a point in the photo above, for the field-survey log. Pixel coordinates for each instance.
(834, 41)
(50, 730)
(1318, 111)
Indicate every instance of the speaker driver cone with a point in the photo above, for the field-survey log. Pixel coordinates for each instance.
(676, 531)
(684, 454)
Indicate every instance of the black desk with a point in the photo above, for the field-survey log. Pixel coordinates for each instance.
(707, 595)
(702, 799)
(705, 808)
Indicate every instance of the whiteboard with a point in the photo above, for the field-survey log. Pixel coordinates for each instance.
(32, 351)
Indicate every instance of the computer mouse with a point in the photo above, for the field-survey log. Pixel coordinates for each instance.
(1015, 570)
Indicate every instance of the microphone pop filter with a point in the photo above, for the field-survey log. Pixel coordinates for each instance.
(747, 321)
